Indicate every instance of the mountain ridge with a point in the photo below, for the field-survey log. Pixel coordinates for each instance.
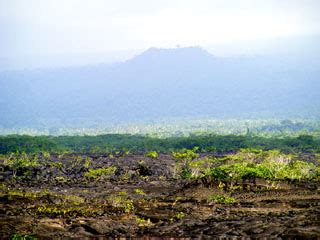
(159, 83)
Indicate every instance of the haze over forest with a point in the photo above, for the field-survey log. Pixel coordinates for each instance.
(110, 63)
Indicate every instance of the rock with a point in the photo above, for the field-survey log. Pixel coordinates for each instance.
(303, 233)
(81, 231)
(97, 228)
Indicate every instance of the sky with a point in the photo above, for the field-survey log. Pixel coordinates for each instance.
(106, 30)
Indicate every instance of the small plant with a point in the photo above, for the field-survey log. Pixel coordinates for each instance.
(74, 199)
(21, 161)
(186, 173)
(139, 192)
(24, 194)
(221, 199)
(100, 172)
(46, 155)
(184, 164)
(218, 173)
(142, 222)
(44, 192)
(76, 162)
(87, 162)
(145, 178)
(60, 211)
(22, 237)
(176, 200)
(198, 168)
(122, 201)
(180, 215)
(186, 154)
(152, 154)
(60, 179)
(296, 170)
(56, 164)
(162, 178)
(125, 176)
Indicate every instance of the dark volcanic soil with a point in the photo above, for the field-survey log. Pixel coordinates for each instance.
(141, 198)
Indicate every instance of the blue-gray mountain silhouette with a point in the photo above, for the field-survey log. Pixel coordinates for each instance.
(160, 83)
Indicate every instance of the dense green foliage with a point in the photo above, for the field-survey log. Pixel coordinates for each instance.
(248, 165)
(273, 165)
(125, 143)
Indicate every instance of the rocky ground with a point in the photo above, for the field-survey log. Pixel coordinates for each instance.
(139, 197)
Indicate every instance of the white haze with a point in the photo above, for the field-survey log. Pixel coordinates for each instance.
(45, 33)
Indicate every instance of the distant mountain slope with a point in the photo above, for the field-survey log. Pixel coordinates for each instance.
(160, 83)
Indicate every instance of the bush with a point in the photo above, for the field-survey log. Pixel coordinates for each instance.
(21, 161)
(152, 154)
(100, 172)
(221, 199)
(122, 201)
(186, 154)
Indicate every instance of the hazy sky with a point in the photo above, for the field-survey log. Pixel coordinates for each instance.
(73, 27)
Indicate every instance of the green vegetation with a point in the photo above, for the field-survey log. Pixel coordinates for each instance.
(22, 237)
(151, 182)
(73, 211)
(186, 154)
(115, 144)
(122, 201)
(100, 173)
(21, 162)
(152, 154)
(234, 158)
(139, 192)
(245, 164)
(180, 215)
(222, 199)
(24, 194)
(142, 222)
(273, 165)
(244, 168)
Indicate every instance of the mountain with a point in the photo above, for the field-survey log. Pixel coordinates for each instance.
(157, 84)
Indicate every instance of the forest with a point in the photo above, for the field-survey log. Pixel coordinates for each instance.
(122, 143)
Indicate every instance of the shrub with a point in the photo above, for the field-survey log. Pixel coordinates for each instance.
(22, 237)
(222, 199)
(296, 170)
(186, 154)
(20, 161)
(100, 172)
(122, 201)
(139, 191)
(152, 154)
